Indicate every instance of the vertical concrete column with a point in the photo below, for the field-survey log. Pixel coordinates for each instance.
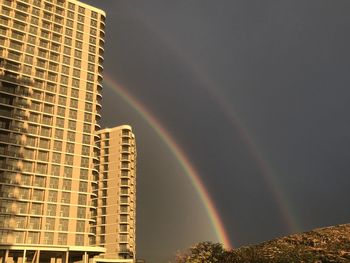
(65, 257)
(24, 256)
(6, 256)
(85, 259)
(37, 259)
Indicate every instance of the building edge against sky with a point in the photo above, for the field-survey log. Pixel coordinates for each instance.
(51, 55)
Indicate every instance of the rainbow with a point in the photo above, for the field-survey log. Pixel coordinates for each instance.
(181, 157)
(285, 206)
(272, 181)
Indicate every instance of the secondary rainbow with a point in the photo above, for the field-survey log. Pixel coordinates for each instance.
(179, 154)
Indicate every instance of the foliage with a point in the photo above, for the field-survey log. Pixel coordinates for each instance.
(203, 252)
(330, 244)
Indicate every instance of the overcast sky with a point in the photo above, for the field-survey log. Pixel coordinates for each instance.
(256, 93)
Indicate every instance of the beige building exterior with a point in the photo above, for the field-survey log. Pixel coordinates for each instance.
(116, 193)
(51, 54)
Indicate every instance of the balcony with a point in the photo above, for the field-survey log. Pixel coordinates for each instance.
(20, 114)
(23, 102)
(19, 126)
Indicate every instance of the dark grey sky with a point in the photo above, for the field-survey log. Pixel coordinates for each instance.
(280, 67)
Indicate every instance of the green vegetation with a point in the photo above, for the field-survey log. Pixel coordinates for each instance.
(331, 244)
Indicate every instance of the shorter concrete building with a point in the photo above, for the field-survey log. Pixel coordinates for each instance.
(116, 194)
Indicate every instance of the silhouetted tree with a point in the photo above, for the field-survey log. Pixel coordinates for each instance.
(203, 252)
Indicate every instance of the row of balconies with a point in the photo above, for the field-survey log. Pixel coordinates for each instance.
(15, 89)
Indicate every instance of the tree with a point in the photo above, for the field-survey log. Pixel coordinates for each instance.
(203, 252)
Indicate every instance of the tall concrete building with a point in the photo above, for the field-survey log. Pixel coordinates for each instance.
(116, 193)
(51, 206)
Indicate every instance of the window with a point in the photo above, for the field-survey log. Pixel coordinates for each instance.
(83, 186)
(63, 90)
(30, 49)
(68, 172)
(69, 159)
(56, 37)
(84, 174)
(75, 83)
(48, 238)
(65, 69)
(79, 240)
(76, 73)
(75, 93)
(56, 157)
(93, 31)
(65, 197)
(68, 41)
(89, 96)
(71, 136)
(43, 156)
(93, 40)
(53, 57)
(47, 120)
(77, 53)
(80, 226)
(69, 32)
(67, 184)
(59, 122)
(79, 44)
(91, 58)
(73, 114)
(85, 150)
(74, 103)
(93, 23)
(63, 225)
(85, 162)
(49, 98)
(55, 170)
(70, 14)
(44, 143)
(52, 196)
(86, 139)
(28, 59)
(51, 210)
(48, 109)
(70, 147)
(64, 213)
(91, 67)
(50, 224)
(36, 209)
(77, 63)
(66, 60)
(81, 10)
(64, 79)
(62, 238)
(80, 27)
(82, 199)
(57, 146)
(90, 77)
(72, 125)
(71, 6)
(38, 195)
(79, 35)
(34, 223)
(61, 111)
(67, 51)
(88, 117)
(54, 182)
(87, 128)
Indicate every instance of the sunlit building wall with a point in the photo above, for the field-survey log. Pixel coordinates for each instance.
(117, 193)
(50, 101)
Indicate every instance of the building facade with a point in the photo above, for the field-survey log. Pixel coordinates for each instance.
(116, 193)
(51, 54)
